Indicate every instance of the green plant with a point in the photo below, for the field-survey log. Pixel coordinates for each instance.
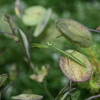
(83, 72)
(72, 63)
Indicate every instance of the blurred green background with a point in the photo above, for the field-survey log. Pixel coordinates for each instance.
(12, 60)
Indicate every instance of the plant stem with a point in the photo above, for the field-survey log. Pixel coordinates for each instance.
(47, 91)
(61, 91)
(66, 94)
(70, 90)
(94, 30)
(96, 96)
(6, 33)
(2, 91)
(0, 96)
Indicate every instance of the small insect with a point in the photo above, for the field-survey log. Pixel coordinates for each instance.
(73, 70)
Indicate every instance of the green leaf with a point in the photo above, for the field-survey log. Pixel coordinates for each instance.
(73, 70)
(3, 78)
(43, 22)
(27, 97)
(75, 32)
(75, 95)
(65, 95)
(32, 15)
(41, 74)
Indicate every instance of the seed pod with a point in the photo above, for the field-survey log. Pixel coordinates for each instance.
(75, 32)
(73, 70)
(32, 15)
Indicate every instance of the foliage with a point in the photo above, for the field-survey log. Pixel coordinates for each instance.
(34, 71)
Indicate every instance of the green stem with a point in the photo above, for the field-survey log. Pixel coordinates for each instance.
(93, 97)
(6, 33)
(47, 91)
(2, 91)
(70, 90)
(61, 91)
(66, 94)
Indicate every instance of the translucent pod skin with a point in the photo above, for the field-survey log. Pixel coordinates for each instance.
(75, 32)
(73, 70)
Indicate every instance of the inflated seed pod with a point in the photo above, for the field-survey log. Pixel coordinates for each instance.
(75, 32)
(73, 70)
(32, 15)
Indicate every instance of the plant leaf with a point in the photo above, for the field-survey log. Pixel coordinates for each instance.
(33, 15)
(3, 78)
(27, 97)
(75, 32)
(42, 24)
(65, 95)
(41, 74)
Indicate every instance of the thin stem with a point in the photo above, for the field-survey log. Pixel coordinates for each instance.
(33, 67)
(94, 30)
(6, 33)
(66, 94)
(2, 91)
(7, 18)
(70, 90)
(47, 91)
(61, 91)
(59, 36)
(96, 96)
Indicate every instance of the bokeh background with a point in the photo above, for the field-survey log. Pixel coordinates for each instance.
(12, 58)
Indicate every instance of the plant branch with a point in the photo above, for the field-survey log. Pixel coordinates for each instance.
(70, 90)
(61, 91)
(7, 18)
(2, 91)
(67, 93)
(47, 91)
(96, 96)
(6, 33)
(94, 30)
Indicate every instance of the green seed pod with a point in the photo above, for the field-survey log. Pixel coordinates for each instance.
(75, 32)
(32, 15)
(73, 70)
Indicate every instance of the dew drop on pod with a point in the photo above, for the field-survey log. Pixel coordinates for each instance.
(75, 32)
